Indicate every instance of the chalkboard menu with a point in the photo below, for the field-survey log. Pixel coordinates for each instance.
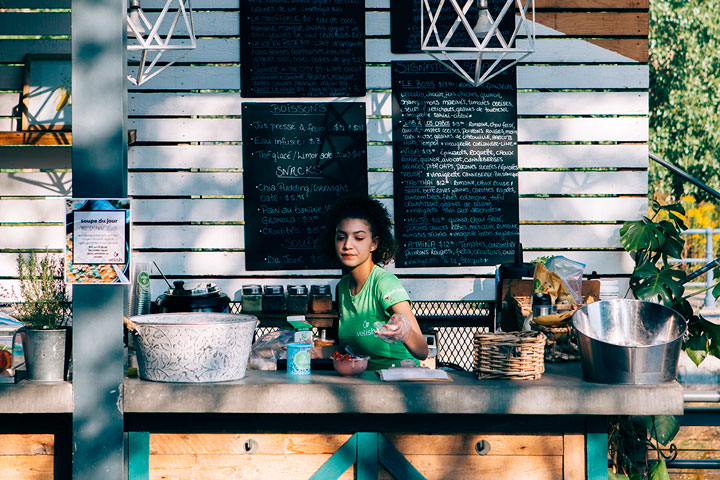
(302, 48)
(405, 23)
(298, 158)
(455, 167)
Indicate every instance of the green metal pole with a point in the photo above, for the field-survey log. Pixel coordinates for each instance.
(596, 447)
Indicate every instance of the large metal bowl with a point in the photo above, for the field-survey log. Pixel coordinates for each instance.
(629, 341)
(193, 346)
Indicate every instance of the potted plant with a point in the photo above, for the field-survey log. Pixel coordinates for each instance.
(43, 311)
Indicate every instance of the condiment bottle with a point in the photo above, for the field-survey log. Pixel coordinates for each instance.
(297, 299)
(320, 299)
(252, 299)
(273, 300)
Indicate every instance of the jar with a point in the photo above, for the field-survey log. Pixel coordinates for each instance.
(252, 299)
(297, 299)
(320, 299)
(273, 299)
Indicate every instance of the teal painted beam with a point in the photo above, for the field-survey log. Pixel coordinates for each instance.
(339, 462)
(596, 448)
(394, 461)
(138, 455)
(366, 467)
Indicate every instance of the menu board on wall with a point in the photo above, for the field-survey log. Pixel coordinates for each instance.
(455, 167)
(302, 48)
(298, 158)
(405, 23)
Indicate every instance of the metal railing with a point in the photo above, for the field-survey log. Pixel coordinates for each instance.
(708, 234)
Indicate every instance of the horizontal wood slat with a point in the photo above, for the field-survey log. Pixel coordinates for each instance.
(26, 444)
(590, 24)
(26, 156)
(380, 156)
(11, 78)
(230, 183)
(558, 50)
(35, 138)
(594, 4)
(35, 23)
(623, 129)
(380, 103)
(26, 467)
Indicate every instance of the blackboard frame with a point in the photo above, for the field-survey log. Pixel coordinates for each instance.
(455, 167)
(298, 158)
(318, 62)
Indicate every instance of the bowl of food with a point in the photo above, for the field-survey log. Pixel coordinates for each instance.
(349, 365)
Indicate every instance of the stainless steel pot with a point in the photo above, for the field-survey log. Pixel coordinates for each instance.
(192, 346)
(629, 341)
(202, 298)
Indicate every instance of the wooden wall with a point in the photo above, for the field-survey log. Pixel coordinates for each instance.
(583, 130)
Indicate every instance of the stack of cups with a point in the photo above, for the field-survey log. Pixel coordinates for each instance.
(140, 294)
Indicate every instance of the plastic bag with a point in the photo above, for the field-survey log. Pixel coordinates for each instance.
(267, 349)
(570, 272)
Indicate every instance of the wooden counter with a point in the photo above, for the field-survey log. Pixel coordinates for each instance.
(269, 426)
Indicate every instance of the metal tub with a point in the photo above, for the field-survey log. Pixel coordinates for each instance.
(629, 341)
(192, 347)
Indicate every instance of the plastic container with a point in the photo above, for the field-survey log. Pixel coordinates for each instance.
(252, 299)
(297, 299)
(320, 299)
(273, 299)
(298, 358)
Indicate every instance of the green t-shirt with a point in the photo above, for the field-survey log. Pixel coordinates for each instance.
(372, 304)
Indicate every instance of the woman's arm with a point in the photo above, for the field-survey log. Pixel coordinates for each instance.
(415, 343)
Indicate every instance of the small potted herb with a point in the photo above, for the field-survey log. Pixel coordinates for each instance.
(42, 308)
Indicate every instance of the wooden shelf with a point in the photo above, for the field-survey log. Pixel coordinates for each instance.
(44, 137)
(321, 320)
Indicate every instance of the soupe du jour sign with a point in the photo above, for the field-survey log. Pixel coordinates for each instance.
(97, 246)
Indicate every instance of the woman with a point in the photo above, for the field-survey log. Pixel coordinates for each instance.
(375, 314)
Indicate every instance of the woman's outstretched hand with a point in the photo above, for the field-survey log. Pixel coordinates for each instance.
(396, 330)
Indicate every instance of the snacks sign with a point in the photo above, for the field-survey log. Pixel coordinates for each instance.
(97, 247)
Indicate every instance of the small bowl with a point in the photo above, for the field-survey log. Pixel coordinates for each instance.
(350, 366)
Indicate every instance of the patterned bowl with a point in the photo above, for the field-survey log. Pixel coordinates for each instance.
(192, 347)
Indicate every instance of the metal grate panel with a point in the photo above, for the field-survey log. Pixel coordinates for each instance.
(454, 323)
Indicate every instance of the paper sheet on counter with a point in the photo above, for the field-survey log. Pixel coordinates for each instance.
(398, 374)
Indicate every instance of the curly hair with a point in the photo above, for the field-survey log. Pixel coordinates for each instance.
(363, 208)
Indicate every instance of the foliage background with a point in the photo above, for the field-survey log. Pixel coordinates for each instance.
(685, 108)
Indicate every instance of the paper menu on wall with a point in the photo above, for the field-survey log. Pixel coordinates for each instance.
(398, 374)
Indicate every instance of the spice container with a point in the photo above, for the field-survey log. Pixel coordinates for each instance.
(320, 299)
(297, 299)
(273, 299)
(252, 299)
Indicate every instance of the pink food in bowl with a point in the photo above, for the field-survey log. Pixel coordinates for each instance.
(350, 366)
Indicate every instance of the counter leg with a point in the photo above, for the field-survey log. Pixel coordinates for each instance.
(367, 456)
(596, 447)
(138, 455)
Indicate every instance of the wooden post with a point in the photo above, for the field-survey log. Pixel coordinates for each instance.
(99, 165)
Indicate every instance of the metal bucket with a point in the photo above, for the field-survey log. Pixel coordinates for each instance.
(629, 341)
(192, 347)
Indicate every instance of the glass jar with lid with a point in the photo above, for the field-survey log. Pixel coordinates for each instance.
(273, 299)
(320, 299)
(252, 299)
(297, 299)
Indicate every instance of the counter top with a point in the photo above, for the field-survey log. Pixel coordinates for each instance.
(36, 397)
(560, 391)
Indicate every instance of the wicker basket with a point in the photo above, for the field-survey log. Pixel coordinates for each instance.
(515, 355)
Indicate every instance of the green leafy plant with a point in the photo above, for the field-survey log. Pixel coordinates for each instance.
(653, 242)
(43, 293)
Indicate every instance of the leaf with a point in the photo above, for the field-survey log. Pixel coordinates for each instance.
(665, 427)
(658, 471)
(617, 476)
(634, 235)
(647, 283)
(696, 348)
